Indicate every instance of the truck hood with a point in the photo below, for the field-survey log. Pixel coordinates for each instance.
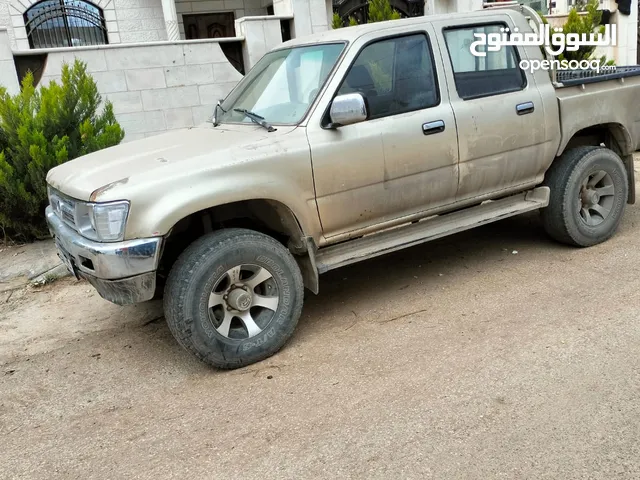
(89, 177)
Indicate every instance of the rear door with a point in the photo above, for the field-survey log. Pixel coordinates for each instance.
(498, 110)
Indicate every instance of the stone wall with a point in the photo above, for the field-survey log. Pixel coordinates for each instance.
(136, 21)
(155, 87)
(6, 21)
(8, 77)
(310, 16)
(261, 34)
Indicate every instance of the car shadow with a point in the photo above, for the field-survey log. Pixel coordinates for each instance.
(476, 250)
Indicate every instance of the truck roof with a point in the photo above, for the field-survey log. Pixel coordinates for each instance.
(349, 34)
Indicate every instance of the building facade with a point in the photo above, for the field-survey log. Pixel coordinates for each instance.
(76, 23)
(164, 63)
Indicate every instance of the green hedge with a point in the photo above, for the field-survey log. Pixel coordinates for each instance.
(40, 129)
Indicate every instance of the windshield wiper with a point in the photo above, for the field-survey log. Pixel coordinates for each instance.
(256, 118)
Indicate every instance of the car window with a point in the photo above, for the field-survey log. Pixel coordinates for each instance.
(476, 76)
(395, 75)
(282, 85)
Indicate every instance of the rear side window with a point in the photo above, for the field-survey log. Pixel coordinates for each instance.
(396, 75)
(475, 76)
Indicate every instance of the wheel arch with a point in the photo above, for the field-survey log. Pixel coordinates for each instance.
(562, 218)
(614, 136)
(263, 215)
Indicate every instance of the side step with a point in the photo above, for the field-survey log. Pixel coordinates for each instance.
(415, 233)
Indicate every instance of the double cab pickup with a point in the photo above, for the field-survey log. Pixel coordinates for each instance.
(336, 148)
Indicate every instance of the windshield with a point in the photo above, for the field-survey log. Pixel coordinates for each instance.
(282, 85)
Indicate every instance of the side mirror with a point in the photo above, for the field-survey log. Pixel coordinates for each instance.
(347, 109)
(215, 112)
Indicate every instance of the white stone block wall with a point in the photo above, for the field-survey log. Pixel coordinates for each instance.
(283, 7)
(8, 75)
(136, 21)
(310, 16)
(5, 21)
(156, 87)
(261, 34)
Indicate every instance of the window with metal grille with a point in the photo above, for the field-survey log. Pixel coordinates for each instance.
(65, 23)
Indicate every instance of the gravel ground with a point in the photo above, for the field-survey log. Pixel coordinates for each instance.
(491, 354)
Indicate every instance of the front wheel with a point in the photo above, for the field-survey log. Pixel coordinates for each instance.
(589, 190)
(234, 297)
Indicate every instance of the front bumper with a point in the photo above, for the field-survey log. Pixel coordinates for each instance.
(122, 272)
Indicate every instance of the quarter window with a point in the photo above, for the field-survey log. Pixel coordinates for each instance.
(475, 76)
(395, 75)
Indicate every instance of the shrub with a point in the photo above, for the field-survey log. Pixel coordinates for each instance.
(587, 24)
(381, 10)
(580, 24)
(336, 22)
(40, 129)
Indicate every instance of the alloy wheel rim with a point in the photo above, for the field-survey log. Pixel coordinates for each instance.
(243, 302)
(596, 198)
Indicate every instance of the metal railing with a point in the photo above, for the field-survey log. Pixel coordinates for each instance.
(65, 23)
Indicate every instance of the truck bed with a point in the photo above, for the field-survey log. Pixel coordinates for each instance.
(605, 99)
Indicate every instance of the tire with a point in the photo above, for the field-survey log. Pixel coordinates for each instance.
(585, 208)
(206, 304)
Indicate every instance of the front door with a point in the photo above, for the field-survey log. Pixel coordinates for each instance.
(404, 158)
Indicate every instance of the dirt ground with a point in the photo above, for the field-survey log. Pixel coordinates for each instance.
(491, 354)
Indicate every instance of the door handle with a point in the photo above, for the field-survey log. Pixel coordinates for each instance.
(524, 108)
(433, 127)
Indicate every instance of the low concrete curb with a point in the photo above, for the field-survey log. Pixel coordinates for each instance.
(57, 272)
(33, 263)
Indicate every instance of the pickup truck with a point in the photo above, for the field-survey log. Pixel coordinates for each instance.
(336, 148)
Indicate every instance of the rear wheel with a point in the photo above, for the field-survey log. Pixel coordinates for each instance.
(589, 190)
(234, 297)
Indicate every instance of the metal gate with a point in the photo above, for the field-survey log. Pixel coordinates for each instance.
(65, 23)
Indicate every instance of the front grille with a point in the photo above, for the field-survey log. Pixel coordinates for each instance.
(63, 207)
(67, 213)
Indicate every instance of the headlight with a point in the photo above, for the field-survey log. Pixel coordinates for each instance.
(104, 222)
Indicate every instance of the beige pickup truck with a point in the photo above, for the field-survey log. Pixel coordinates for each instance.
(336, 148)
